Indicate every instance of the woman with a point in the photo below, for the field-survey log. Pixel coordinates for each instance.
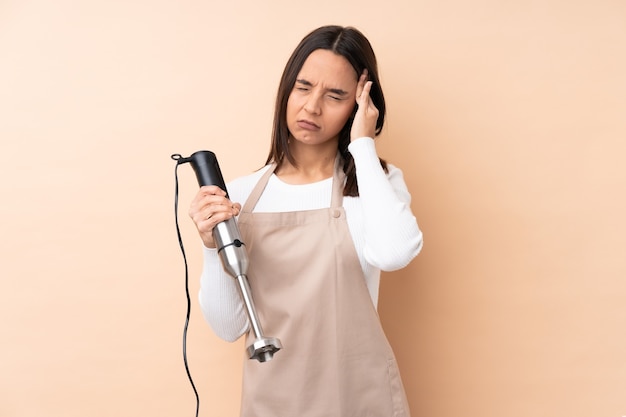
(320, 221)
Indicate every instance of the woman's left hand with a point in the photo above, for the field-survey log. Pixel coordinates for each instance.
(366, 116)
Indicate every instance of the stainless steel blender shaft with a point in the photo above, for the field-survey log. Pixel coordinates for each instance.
(262, 348)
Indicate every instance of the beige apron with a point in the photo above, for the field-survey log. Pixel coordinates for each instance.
(310, 292)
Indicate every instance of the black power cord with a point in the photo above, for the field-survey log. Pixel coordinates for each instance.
(176, 157)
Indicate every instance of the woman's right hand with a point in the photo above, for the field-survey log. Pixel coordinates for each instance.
(210, 207)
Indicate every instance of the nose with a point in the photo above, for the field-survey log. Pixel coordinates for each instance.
(312, 104)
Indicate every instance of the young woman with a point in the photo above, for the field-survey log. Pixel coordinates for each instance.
(320, 221)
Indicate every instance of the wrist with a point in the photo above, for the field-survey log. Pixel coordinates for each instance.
(208, 242)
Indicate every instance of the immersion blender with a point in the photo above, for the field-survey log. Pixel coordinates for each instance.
(233, 254)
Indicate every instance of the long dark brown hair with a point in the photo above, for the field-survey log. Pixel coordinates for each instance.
(354, 47)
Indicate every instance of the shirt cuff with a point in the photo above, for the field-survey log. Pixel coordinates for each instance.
(363, 146)
(363, 151)
(210, 254)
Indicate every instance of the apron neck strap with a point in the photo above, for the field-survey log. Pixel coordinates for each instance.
(339, 180)
(336, 200)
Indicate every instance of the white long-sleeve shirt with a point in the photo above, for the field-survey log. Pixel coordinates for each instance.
(384, 231)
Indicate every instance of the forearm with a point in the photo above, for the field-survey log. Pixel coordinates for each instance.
(392, 236)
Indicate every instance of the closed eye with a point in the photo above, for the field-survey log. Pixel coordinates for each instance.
(338, 94)
(303, 85)
(333, 93)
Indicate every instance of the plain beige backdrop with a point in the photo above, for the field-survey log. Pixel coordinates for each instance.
(508, 119)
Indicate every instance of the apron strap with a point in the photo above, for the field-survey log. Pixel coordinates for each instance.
(258, 190)
(339, 178)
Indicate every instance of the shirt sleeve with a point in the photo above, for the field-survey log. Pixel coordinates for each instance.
(219, 298)
(392, 235)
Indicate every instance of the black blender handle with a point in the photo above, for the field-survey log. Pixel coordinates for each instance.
(207, 169)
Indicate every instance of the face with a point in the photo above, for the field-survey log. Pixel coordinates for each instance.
(322, 98)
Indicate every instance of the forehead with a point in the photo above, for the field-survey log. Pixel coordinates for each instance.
(327, 67)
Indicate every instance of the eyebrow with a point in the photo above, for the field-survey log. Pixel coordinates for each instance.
(337, 91)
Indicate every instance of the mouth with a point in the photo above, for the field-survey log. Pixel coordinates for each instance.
(307, 125)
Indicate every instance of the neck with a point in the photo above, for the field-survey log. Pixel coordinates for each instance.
(312, 163)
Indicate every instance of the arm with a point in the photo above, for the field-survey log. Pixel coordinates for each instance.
(219, 296)
(392, 236)
(220, 303)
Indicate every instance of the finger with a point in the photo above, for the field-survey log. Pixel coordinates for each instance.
(226, 206)
(365, 94)
(210, 195)
(213, 217)
(204, 206)
(212, 190)
(206, 222)
(361, 84)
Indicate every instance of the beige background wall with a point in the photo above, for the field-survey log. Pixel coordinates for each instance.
(508, 118)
